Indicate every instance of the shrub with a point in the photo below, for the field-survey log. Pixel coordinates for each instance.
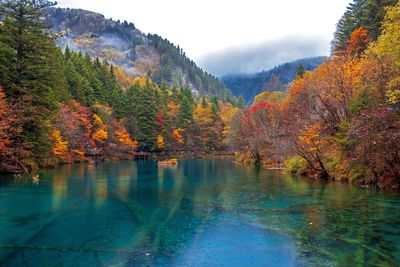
(296, 165)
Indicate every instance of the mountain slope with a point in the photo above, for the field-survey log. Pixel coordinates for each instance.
(276, 79)
(138, 54)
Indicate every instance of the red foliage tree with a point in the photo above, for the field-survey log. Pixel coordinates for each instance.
(10, 128)
(160, 118)
(74, 122)
(374, 136)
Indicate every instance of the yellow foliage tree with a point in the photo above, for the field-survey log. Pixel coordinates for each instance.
(271, 97)
(97, 121)
(387, 48)
(100, 136)
(310, 138)
(227, 111)
(310, 147)
(141, 81)
(123, 79)
(60, 148)
(160, 142)
(202, 115)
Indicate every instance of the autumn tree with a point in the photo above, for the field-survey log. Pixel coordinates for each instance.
(10, 129)
(366, 14)
(121, 143)
(374, 141)
(386, 55)
(60, 147)
(124, 138)
(310, 146)
(227, 112)
(207, 127)
(260, 130)
(100, 134)
(177, 134)
(329, 90)
(358, 42)
(75, 124)
(160, 142)
(123, 79)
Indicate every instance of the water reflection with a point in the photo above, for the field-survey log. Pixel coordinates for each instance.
(204, 212)
(59, 190)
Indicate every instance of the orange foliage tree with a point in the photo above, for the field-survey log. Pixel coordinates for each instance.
(328, 90)
(120, 143)
(358, 42)
(177, 135)
(74, 123)
(60, 147)
(124, 138)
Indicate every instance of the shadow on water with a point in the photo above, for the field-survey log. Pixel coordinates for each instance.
(203, 212)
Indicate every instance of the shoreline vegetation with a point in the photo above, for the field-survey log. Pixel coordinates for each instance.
(339, 122)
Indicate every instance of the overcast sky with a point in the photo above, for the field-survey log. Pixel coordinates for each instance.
(253, 34)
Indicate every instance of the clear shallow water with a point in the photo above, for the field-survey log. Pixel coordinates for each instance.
(203, 213)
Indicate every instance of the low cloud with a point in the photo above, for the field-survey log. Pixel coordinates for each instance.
(255, 58)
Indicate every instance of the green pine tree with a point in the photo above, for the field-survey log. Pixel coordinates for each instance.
(141, 114)
(300, 71)
(240, 103)
(214, 105)
(185, 114)
(30, 74)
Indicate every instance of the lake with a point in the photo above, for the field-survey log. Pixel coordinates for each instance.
(201, 213)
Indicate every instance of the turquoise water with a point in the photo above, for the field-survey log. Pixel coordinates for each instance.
(202, 213)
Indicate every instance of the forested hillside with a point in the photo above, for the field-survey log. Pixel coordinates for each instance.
(276, 79)
(342, 120)
(59, 106)
(121, 44)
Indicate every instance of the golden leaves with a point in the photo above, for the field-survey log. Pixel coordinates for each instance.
(141, 81)
(176, 133)
(100, 136)
(124, 138)
(160, 142)
(79, 153)
(202, 115)
(310, 138)
(97, 121)
(60, 148)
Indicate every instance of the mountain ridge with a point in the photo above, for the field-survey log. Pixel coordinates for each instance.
(275, 79)
(122, 44)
